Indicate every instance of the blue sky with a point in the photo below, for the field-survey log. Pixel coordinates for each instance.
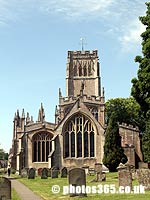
(35, 36)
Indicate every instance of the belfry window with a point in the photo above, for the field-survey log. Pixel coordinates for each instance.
(80, 70)
(79, 138)
(41, 143)
(85, 70)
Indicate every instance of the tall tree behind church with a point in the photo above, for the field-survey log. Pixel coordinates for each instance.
(141, 85)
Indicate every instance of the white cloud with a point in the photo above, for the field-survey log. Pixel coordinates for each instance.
(76, 8)
(118, 17)
(131, 37)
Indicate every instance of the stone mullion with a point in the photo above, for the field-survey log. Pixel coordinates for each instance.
(75, 137)
(89, 143)
(82, 139)
(41, 150)
(69, 144)
(36, 151)
(45, 150)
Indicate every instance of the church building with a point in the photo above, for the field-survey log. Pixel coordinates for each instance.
(76, 139)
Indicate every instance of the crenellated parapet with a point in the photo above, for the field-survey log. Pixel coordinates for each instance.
(83, 54)
(85, 98)
(129, 126)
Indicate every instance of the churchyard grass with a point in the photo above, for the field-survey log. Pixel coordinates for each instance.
(43, 187)
(14, 194)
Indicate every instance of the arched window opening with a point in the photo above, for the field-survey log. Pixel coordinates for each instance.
(41, 146)
(39, 152)
(66, 144)
(86, 152)
(72, 144)
(47, 150)
(79, 144)
(35, 151)
(43, 151)
(79, 137)
(91, 144)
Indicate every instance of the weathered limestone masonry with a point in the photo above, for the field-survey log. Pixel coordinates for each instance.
(130, 141)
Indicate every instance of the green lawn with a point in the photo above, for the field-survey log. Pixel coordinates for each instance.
(14, 195)
(43, 187)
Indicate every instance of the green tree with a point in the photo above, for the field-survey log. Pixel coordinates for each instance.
(113, 152)
(2, 154)
(141, 85)
(146, 142)
(127, 110)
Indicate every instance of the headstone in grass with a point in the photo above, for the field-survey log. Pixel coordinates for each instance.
(100, 176)
(54, 172)
(125, 175)
(98, 167)
(39, 171)
(5, 188)
(143, 176)
(63, 172)
(86, 168)
(44, 173)
(77, 181)
(24, 173)
(31, 173)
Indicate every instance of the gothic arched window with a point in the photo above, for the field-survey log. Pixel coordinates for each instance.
(41, 143)
(79, 137)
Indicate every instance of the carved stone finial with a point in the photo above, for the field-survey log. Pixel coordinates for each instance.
(41, 115)
(103, 94)
(28, 118)
(23, 114)
(60, 94)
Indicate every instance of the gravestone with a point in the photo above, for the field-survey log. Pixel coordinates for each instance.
(100, 176)
(63, 172)
(54, 172)
(125, 175)
(39, 171)
(5, 189)
(86, 168)
(98, 167)
(44, 174)
(31, 173)
(24, 173)
(143, 176)
(77, 180)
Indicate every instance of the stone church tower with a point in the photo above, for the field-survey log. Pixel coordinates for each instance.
(80, 115)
